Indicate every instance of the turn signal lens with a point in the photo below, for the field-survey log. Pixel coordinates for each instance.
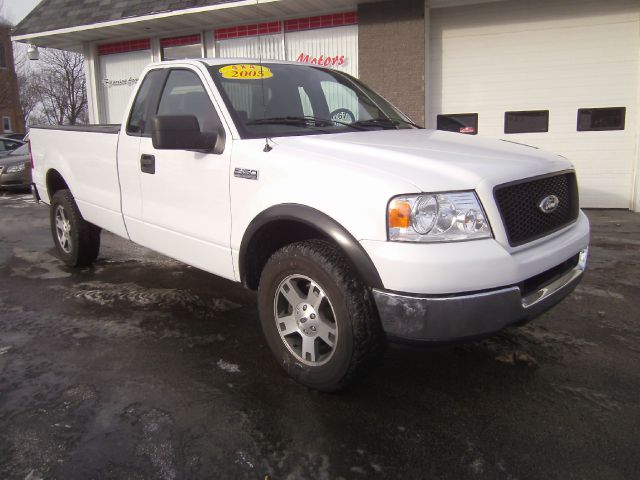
(399, 214)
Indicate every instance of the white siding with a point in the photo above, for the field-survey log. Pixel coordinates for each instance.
(546, 55)
(249, 47)
(118, 75)
(328, 43)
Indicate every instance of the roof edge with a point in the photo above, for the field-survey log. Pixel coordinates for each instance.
(109, 23)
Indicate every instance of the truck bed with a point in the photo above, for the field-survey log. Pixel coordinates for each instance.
(112, 128)
(85, 156)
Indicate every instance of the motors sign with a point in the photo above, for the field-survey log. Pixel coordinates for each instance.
(322, 60)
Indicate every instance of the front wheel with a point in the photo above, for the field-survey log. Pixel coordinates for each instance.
(77, 241)
(317, 316)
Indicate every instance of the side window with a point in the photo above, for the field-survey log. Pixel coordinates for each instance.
(3, 60)
(184, 94)
(9, 145)
(138, 117)
(2, 147)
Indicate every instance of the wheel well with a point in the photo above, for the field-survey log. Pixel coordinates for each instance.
(55, 182)
(271, 238)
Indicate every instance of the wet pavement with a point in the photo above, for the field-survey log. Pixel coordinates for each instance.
(142, 367)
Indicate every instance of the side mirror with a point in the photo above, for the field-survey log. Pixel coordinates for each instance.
(180, 132)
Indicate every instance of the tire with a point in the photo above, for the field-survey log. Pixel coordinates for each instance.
(332, 335)
(77, 241)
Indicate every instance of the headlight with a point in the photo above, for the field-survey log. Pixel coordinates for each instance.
(437, 217)
(16, 168)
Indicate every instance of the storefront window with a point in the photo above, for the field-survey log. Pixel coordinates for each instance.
(179, 48)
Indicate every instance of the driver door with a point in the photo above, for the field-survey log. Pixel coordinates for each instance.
(185, 194)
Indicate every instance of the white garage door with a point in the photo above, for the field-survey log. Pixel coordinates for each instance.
(119, 75)
(550, 55)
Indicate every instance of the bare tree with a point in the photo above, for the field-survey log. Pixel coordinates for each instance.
(28, 88)
(61, 87)
(8, 85)
(3, 15)
(51, 90)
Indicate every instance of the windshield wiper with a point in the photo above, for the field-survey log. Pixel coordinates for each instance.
(385, 122)
(306, 121)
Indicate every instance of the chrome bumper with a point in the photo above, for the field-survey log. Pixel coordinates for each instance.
(457, 317)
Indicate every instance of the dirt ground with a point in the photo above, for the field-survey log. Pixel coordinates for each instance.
(141, 367)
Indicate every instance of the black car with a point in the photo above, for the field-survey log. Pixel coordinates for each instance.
(14, 136)
(15, 169)
(8, 145)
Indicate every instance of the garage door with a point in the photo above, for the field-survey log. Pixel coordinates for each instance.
(120, 66)
(567, 73)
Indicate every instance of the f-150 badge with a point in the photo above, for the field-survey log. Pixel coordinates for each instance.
(246, 173)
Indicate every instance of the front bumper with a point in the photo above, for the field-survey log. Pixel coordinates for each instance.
(457, 317)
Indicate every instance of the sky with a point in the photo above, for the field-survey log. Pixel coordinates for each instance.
(16, 10)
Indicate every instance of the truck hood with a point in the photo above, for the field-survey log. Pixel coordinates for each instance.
(431, 160)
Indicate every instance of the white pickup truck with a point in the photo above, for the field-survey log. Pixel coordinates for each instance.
(354, 225)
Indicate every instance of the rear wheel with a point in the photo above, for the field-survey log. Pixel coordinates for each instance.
(317, 316)
(77, 241)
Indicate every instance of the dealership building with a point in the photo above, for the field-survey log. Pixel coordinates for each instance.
(563, 75)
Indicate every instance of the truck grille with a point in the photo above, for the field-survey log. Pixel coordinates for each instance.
(519, 205)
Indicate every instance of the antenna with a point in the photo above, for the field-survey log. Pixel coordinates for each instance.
(267, 147)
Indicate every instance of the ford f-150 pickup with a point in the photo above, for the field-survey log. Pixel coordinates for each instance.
(355, 225)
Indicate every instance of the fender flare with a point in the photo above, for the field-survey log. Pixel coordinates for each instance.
(320, 222)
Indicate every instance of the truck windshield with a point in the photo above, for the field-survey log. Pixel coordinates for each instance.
(281, 100)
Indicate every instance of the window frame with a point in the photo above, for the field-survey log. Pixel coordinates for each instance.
(515, 112)
(474, 115)
(601, 129)
(7, 121)
(158, 100)
(3, 56)
(157, 84)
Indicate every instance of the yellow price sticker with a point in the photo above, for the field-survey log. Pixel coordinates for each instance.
(244, 71)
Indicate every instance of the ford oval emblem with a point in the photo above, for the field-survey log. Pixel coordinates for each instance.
(549, 204)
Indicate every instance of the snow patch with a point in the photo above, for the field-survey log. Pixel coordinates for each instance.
(228, 367)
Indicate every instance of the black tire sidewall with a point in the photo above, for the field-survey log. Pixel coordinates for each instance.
(85, 238)
(330, 376)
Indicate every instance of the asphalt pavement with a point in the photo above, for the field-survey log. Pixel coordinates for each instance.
(144, 368)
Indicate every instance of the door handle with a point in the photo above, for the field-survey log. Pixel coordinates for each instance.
(148, 164)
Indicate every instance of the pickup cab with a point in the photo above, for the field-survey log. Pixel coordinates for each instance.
(355, 225)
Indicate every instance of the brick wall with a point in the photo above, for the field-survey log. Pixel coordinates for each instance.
(391, 53)
(9, 98)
